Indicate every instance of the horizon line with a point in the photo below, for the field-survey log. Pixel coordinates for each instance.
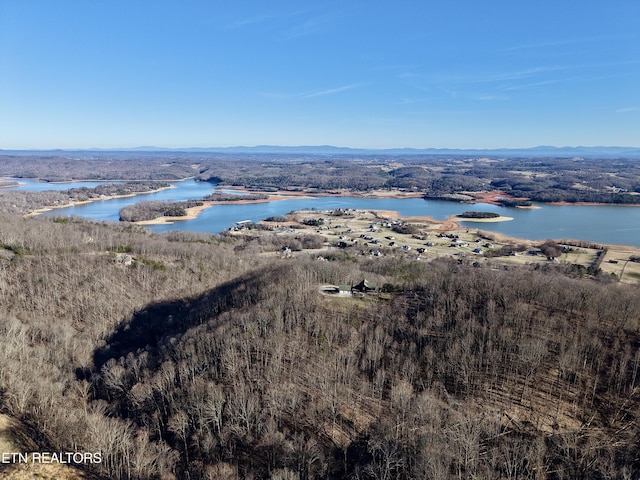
(319, 146)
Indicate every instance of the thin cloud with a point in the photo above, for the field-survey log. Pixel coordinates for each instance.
(492, 98)
(273, 18)
(397, 67)
(527, 86)
(628, 110)
(310, 27)
(318, 19)
(545, 45)
(329, 91)
(410, 101)
(513, 76)
(483, 77)
(568, 41)
(311, 94)
(250, 21)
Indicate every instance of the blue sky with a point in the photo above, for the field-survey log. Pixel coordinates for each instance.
(373, 74)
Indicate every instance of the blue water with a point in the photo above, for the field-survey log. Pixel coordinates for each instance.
(603, 224)
(109, 209)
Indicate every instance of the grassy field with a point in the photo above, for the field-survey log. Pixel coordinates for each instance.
(616, 262)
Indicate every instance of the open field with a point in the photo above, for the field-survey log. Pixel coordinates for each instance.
(616, 262)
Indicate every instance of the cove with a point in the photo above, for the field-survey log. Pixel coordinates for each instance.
(594, 223)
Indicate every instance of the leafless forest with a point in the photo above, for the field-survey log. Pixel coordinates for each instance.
(193, 356)
(208, 357)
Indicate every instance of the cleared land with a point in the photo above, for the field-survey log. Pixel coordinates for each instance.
(385, 233)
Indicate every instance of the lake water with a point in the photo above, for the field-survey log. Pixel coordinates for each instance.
(602, 224)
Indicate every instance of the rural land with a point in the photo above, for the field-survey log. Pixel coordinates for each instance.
(320, 344)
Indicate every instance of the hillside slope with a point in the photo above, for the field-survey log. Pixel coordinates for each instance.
(202, 359)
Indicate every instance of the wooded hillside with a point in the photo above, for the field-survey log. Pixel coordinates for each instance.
(195, 356)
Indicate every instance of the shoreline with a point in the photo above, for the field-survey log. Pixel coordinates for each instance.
(278, 195)
(194, 212)
(281, 195)
(481, 220)
(41, 210)
(592, 204)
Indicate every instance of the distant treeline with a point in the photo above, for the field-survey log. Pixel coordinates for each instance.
(543, 180)
(479, 215)
(128, 166)
(230, 197)
(114, 189)
(512, 202)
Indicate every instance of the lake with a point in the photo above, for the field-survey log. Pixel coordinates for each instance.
(602, 224)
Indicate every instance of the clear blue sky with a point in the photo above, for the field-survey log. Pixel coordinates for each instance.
(375, 74)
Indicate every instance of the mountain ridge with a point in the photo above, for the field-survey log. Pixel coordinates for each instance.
(537, 151)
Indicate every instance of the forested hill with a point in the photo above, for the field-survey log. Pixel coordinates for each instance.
(553, 179)
(208, 357)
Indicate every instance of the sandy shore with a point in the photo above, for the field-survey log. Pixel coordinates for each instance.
(193, 212)
(448, 224)
(279, 195)
(481, 220)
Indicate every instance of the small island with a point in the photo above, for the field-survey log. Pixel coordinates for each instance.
(482, 217)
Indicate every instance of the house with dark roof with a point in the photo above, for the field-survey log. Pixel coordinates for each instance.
(365, 286)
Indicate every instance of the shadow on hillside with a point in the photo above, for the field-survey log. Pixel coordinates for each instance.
(157, 323)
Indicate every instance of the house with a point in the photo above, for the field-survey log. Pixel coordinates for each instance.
(241, 225)
(364, 287)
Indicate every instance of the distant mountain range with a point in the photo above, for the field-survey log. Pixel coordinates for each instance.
(540, 151)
